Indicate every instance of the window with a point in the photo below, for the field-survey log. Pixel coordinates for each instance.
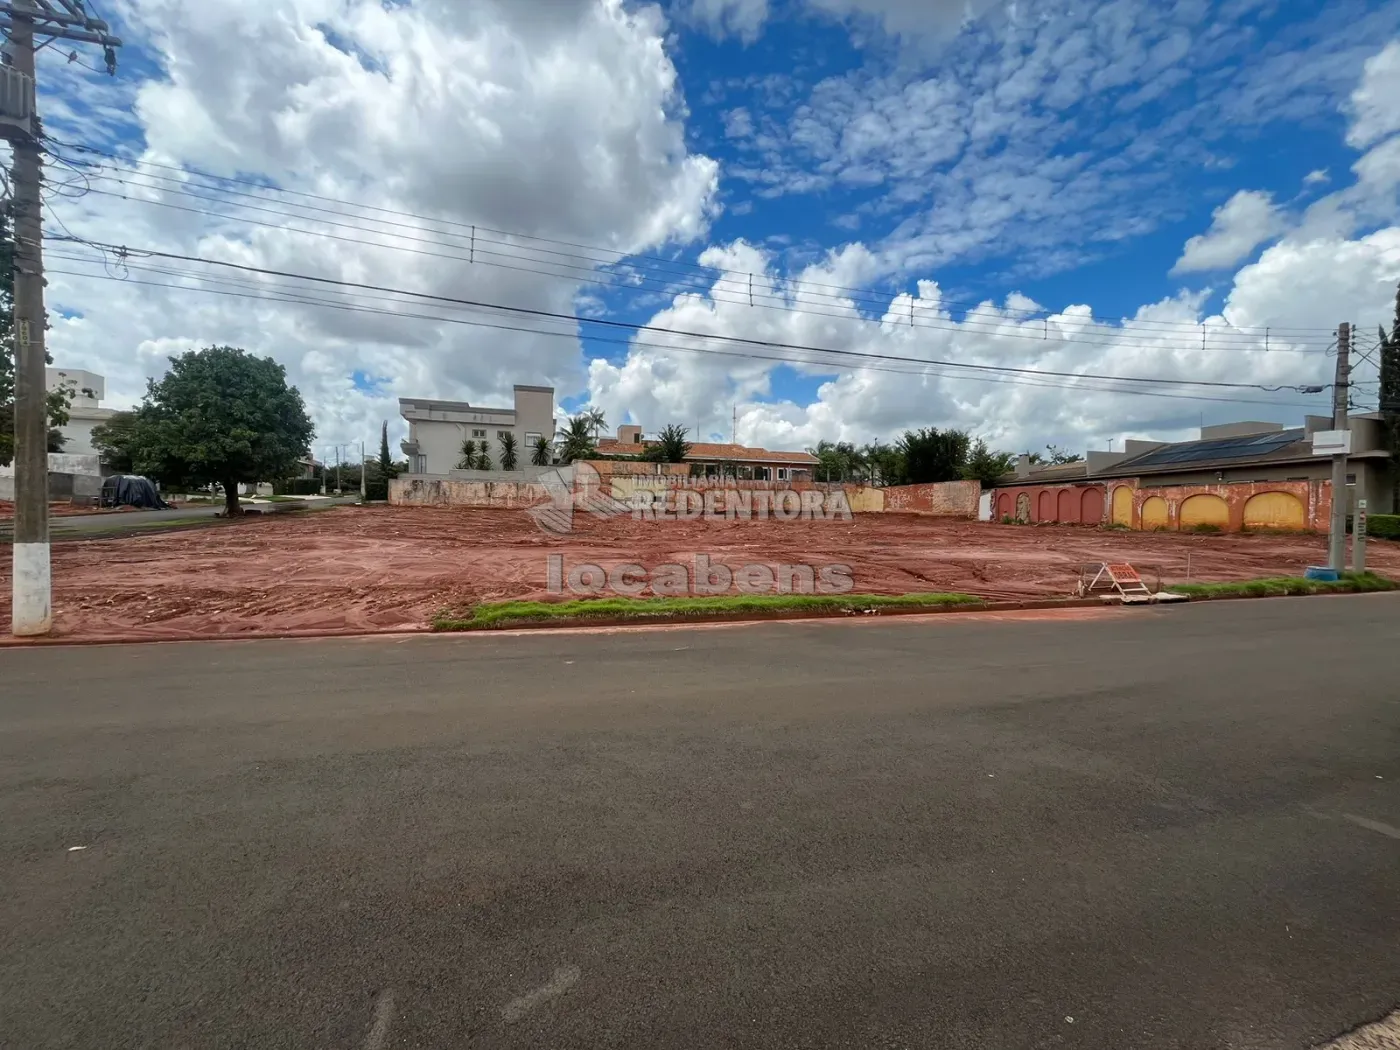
(478, 433)
(501, 435)
(782, 474)
(532, 438)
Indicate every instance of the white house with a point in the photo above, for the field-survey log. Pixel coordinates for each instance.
(87, 389)
(436, 429)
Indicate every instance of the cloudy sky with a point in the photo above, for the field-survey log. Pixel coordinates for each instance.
(809, 215)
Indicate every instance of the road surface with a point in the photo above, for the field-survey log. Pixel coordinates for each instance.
(137, 519)
(1164, 828)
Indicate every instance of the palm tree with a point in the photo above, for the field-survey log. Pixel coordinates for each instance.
(483, 458)
(542, 454)
(671, 445)
(576, 440)
(468, 460)
(507, 451)
(597, 420)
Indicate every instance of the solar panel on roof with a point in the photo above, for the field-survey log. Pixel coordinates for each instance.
(1248, 447)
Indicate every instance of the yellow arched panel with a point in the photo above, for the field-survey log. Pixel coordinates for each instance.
(1154, 513)
(1204, 509)
(1122, 505)
(1274, 510)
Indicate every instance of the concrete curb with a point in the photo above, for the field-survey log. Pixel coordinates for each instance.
(132, 638)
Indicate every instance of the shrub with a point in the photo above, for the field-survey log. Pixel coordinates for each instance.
(1206, 526)
(1386, 526)
(376, 489)
(296, 487)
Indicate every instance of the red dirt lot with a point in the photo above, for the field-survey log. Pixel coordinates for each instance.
(354, 569)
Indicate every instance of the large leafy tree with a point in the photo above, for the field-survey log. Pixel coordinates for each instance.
(576, 440)
(985, 465)
(933, 455)
(839, 461)
(115, 441)
(880, 464)
(221, 415)
(56, 401)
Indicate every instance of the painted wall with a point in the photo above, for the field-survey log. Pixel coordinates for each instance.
(954, 499)
(1230, 507)
(1083, 504)
(1235, 507)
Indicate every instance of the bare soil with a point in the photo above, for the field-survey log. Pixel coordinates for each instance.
(380, 568)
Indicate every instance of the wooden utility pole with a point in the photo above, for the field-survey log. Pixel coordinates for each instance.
(20, 20)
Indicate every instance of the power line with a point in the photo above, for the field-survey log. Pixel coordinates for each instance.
(978, 326)
(691, 271)
(929, 370)
(476, 246)
(124, 252)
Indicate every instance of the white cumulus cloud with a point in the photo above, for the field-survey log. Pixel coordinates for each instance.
(1237, 227)
(1375, 104)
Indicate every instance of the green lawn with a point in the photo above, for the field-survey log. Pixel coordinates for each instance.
(1282, 586)
(512, 613)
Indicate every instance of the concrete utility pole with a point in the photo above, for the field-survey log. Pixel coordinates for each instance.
(1341, 391)
(20, 20)
(362, 471)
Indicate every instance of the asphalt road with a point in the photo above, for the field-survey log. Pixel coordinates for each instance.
(1173, 827)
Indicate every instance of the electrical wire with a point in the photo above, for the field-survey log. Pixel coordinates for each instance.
(691, 269)
(931, 370)
(858, 356)
(991, 327)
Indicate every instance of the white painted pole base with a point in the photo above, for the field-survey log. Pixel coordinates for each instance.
(33, 598)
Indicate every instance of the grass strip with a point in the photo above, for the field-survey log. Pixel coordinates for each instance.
(515, 613)
(1285, 586)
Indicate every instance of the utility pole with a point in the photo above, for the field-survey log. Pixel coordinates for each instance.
(1341, 391)
(20, 20)
(362, 471)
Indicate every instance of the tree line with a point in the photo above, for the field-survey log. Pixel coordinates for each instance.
(922, 457)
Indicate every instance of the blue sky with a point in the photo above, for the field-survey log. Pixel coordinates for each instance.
(1225, 161)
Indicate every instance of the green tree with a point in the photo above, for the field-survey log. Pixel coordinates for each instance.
(1390, 398)
(933, 455)
(115, 441)
(597, 420)
(838, 461)
(1055, 456)
(56, 402)
(884, 465)
(483, 457)
(387, 467)
(221, 415)
(468, 460)
(576, 440)
(542, 454)
(508, 456)
(987, 466)
(670, 446)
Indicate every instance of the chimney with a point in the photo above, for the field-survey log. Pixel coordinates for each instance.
(629, 435)
(1024, 465)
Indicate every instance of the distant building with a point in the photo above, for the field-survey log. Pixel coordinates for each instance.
(715, 460)
(87, 390)
(1250, 452)
(437, 429)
